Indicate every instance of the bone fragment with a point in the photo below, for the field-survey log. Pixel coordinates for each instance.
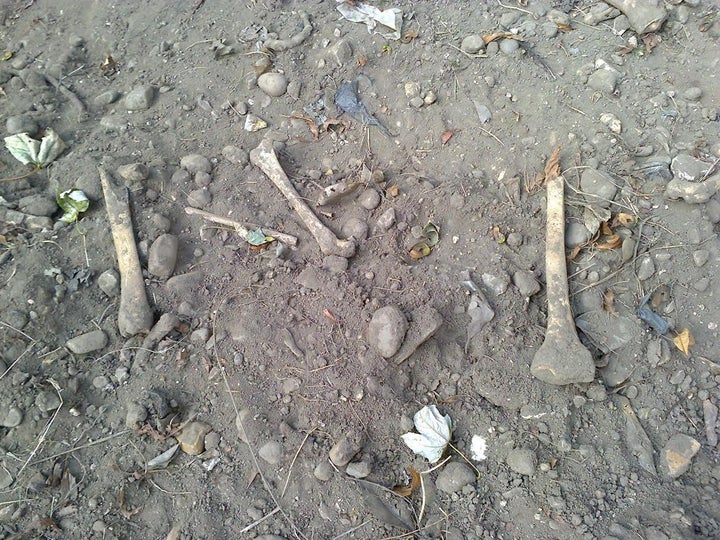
(561, 359)
(134, 315)
(265, 159)
(242, 229)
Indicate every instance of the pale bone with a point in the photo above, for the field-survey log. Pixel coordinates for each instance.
(242, 230)
(561, 359)
(134, 314)
(265, 159)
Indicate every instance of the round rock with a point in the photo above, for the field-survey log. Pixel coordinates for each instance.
(522, 461)
(598, 187)
(195, 163)
(109, 283)
(271, 452)
(526, 283)
(273, 84)
(163, 256)
(139, 98)
(192, 438)
(47, 401)
(472, 44)
(13, 417)
(387, 329)
(87, 343)
(369, 199)
(454, 476)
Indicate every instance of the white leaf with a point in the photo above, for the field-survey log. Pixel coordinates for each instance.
(51, 147)
(478, 447)
(28, 151)
(434, 433)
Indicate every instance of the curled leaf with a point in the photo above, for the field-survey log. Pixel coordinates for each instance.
(432, 234)
(625, 219)
(433, 436)
(613, 241)
(446, 136)
(29, 151)
(415, 481)
(420, 250)
(73, 202)
(258, 238)
(684, 340)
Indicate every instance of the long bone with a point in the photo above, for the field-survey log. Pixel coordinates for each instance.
(265, 159)
(561, 359)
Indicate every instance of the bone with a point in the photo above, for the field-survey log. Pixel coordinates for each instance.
(265, 159)
(134, 315)
(561, 359)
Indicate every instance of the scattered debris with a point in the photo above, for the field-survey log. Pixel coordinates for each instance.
(387, 23)
(252, 237)
(347, 99)
(279, 45)
(429, 239)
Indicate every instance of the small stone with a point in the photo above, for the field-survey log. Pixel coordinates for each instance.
(612, 122)
(193, 163)
(200, 336)
(526, 283)
(678, 453)
(387, 329)
(702, 284)
(16, 319)
(509, 46)
(369, 199)
(359, 469)
(340, 52)
(122, 374)
(598, 186)
(254, 123)
(345, 449)
(100, 382)
(294, 88)
(13, 417)
(604, 80)
(38, 205)
(323, 471)
(109, 283)
(497, 284)
(335, 264)
(47, 401)
(514, 240)
(134, 172)
(355, 228)
(199, 198)
(386, 220)
(106, 98)
(135, 415)
(235, 155)
(271, 452)
(483, 112)
(646, 269)
(6, 479)
(417, 102)
(163, 256)
(21, 123)
(192, 438)
(412, 90)
(430, 97)
(689, 168)
(273, 84)
(700, 257)
(522, 461)
(87, 343)
(693, 93)
(576, 234)
(454, 476)
(139, 98)
(472, 44)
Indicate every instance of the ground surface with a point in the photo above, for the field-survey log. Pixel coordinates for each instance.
(279, 337)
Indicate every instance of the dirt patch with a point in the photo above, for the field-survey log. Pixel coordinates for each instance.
(287, 372)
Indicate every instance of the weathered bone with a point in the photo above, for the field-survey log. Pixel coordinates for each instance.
(265, 159)
(561, 359)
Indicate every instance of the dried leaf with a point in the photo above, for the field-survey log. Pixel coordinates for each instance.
(536, 183)
(605, 228)
(608, 301)
(498, 235)
(406, 491)
(552, 165)
(362, 60)
(564, 27)
(420, 250)
(393, 190)
(651, 41)
(433, 436)
(613, 241)
(410, 35)
(624, 219)
(489, 38)
(330, 316)
(446, 136)
(684, 340)
(575, 252)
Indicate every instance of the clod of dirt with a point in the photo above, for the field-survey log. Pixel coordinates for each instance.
(192, 438)
(193, 163)
(454, 476)
(346, 448)
(522, 461)
(387, 329)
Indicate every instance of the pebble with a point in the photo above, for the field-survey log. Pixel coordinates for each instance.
(522, 461)
(604, 80)
(100, 382)
(678, 453)
(13, 417)
(47, 401)
(254, 123)
(294, 88)
(454, 476)
(106, 98)
(88, 342)
(335, 264)
(38, 205)
(202, 179)
(122, 374)
(135, 415)
(644, 17)
(483, 112)
(646, 268)
(271, 452)
(192, 438)
(6, 478)
(273, 84)
(612, 122)
(514, 240)
(359, 469)
(199, 198)
(200, 336)
(323, 471)
(17, 319)
(701, 284)
(162, 256)
(700, 257)
(472, 44)
(235, 155)
(386, 330)
(139, 98)
(347, 447)
(598, 186)
(133, 172)
(692, 94)
(576, 234)
(21, 123)
(526, 283)
(689, 168)
(340, 52)
(417, 102)
(509, 46)
(369, 199)
(412, 90)
(193, 163)
(355, 228)
(109, 283)
(497, 284)
(386, 220)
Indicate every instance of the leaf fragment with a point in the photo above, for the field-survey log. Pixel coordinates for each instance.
(684, 340)
(552, 165)
(613, 241)
(420, 250)
(488, 38)
(446, 136)
(258, 238)
(625, 219)
(415, 481)
(73, 202)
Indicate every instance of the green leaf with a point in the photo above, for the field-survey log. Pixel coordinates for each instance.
(73, 202)
(29, 151)
(258, 238)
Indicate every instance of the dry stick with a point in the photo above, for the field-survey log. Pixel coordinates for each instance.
(82, 447)
(292, 463)
(265, 159)
(241, 229)
(562, 358)
(259, 521)
(134, 315)
(9, 368)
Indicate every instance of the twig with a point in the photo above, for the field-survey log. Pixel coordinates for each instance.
(241, 229)
(9, 368)
(292, 463)
(82, 447)
(350, 531)
(259, 521)
(533, 15)
(491, 134)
